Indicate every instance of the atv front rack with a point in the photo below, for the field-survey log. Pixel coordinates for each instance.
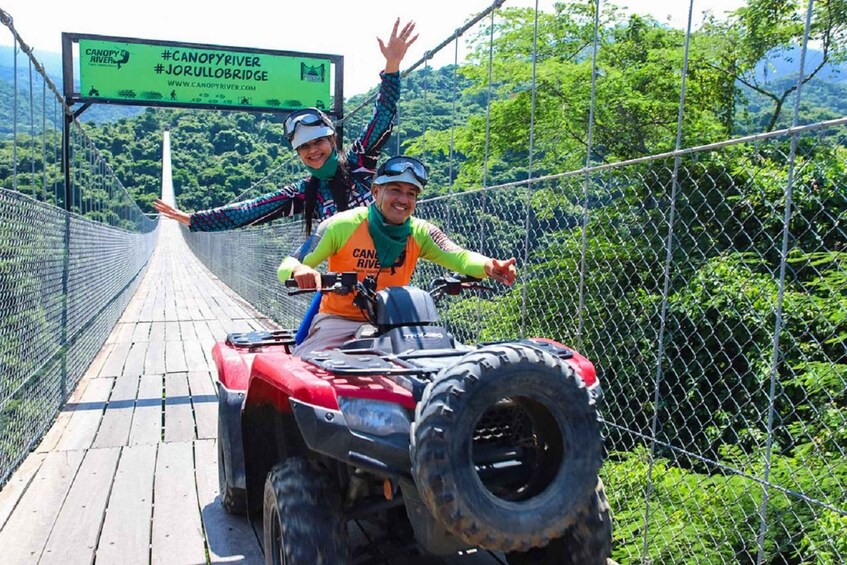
(411, 370)
(260, 338)
(399, 368)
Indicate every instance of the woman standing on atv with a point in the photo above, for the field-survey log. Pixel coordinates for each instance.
(337, 181)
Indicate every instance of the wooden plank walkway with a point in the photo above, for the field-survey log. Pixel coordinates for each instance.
(128, 472)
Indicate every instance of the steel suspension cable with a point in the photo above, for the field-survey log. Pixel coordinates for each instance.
(780, 298)
(657, 381)
(450, 181)
(528, 198)
(586, 190)
(486, 155)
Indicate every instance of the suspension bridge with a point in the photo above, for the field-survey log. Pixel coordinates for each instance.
(707, 282)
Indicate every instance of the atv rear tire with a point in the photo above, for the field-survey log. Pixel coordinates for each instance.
(233, 499)
(587, 542)
(303, 522)
(506, 447)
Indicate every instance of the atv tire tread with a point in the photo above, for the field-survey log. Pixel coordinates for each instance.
(233, 499)
(587, 542)
(479, 518)
(305, 501)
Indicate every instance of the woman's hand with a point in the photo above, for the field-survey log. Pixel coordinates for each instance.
(395, 49)
(170, 212)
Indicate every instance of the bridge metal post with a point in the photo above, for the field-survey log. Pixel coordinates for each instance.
(68, 204)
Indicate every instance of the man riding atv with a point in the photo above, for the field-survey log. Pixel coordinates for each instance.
(383, 241)
(441, 446)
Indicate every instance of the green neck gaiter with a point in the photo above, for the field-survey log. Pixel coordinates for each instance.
(389, 239)
(327, 170)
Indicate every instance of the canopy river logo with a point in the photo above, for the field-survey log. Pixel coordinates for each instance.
(313, 73)
(107, 57)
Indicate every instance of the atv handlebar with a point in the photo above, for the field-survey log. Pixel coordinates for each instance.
(340, 283)
(454, 284)
(346, 282)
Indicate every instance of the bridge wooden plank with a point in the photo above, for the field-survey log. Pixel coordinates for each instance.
(99, 360)
(114, 364)
(134, 365)
(186, 330)
(172, 331)
(123, 332)
(54, 434)
(175, 357)
(145, 313)
(179, 419)
(195, 357)
(147, 418)
(85, 420)
(141, 332)
(159, 306)
(230, 538)
(25, 533)
(125, 538)
(133, 309)
(73, 538)
(177, 532)
(204, 334)
(157, 331)
(204, 398)
(17, 485)
(117, 420)
(196, 309)
(219, 331)
(154, 358)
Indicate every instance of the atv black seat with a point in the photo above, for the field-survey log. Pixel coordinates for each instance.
(404, 305)
(404, 338)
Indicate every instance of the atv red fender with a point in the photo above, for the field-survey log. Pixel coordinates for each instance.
(276, 377)
(581, 365)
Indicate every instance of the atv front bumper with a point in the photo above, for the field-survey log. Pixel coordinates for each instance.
(326, 431)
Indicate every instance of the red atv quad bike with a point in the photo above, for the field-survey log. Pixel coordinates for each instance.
(440, 445)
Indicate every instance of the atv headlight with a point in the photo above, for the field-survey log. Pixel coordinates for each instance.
(374, 416)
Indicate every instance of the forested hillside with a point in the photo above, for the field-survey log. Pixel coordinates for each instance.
(218, 155)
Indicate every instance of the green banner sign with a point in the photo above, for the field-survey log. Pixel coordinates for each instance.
(192, 75)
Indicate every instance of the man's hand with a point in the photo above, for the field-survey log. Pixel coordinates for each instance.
(169, 211)
(503, 272)
(306, 277)
(395, 49)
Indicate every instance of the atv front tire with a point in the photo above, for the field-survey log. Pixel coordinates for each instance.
(587, 542)
(506, 447)
(303, 522)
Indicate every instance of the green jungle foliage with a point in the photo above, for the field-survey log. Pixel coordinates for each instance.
(721, 300)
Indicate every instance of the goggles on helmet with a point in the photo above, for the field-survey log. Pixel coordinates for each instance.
(305, 117)
(396, 166)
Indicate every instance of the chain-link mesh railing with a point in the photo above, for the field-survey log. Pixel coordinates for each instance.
(246, 261)
(736, 422)
(709, 287)
(725, 400)
(66, 275)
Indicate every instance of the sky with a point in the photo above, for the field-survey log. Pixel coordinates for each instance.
(349, 27)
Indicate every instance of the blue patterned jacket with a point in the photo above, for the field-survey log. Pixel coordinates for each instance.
(289, 200)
